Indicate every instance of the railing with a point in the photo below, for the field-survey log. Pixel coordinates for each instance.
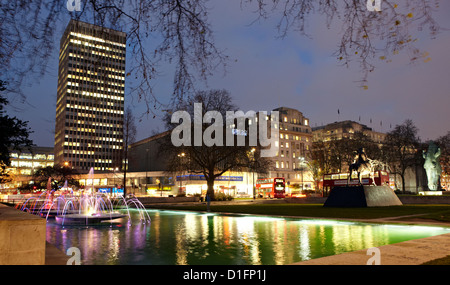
(10, 201)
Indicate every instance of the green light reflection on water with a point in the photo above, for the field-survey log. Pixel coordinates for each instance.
(176, 237)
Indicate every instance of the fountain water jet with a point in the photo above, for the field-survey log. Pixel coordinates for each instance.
(87, 208)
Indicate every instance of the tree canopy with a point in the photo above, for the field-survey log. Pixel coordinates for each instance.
(444, 145)
(14, 134)
(183, 35)
(400, 149)
(59, 174)
(212, 161)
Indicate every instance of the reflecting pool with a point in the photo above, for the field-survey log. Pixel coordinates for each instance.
(176, 237)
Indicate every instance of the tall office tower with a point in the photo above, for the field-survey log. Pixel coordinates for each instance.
(90, 98)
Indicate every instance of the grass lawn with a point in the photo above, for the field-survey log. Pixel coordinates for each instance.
(435, 212)
(442, 216)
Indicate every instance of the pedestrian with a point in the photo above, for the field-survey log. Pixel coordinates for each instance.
(208, 201)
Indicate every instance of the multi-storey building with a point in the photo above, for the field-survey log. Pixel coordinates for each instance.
(345, 129)
(445, 181)
(90, 97)
(414, 176)
(294, 145)
(328, 138)
(26, 161)
(23, 165)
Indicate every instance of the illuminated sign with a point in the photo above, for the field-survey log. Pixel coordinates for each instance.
(108, 190)
(239, 132)
(202, 177)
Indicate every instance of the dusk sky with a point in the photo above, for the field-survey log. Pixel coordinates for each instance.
(300, 72)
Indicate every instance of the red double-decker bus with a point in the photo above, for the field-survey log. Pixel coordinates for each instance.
(331, 180)
(271, 187)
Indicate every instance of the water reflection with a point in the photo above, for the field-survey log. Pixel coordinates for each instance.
(192, 238)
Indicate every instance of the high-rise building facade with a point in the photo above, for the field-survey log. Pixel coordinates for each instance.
(294, 144)
(90, 97)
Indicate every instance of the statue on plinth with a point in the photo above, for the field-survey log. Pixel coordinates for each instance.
(362, 195)
(361, 165)
(432, 166)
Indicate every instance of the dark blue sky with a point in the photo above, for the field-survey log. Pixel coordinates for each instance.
(265, 72)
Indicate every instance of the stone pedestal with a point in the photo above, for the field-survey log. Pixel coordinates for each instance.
(362, 196)
(22, 238)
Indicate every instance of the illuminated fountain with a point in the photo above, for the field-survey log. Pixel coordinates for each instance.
(88, 208)
(85, 209)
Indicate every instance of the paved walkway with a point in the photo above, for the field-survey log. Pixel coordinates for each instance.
(54, 256)
(413, 252)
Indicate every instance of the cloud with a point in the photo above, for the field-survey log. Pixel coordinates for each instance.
(266, 72)
(302, 73)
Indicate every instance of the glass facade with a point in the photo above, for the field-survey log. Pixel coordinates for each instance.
(24, 163)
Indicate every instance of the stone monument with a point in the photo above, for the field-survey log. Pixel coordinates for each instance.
(362, 165)
(432, 166)
(362, 195)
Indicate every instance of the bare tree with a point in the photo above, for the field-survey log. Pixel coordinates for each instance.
(14, 134)
(59, 174)
(336, 155)
(28, 30)
(367, 36)
(345, 150)
(321, 152)
(129, 137)
(400, 149)
(185, 37)
(215, 160)
(444, 145)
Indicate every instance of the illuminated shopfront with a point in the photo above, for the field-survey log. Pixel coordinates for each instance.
(239, 185)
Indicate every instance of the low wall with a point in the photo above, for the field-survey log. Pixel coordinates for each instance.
(151, 200)
(22, 237)
(445, 199)
(306, 200)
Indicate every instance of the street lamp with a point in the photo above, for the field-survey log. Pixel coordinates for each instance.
(301, 163)
(181, 156)
(114, 181)
(146, 171)
(253, 172)
(65, 170)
